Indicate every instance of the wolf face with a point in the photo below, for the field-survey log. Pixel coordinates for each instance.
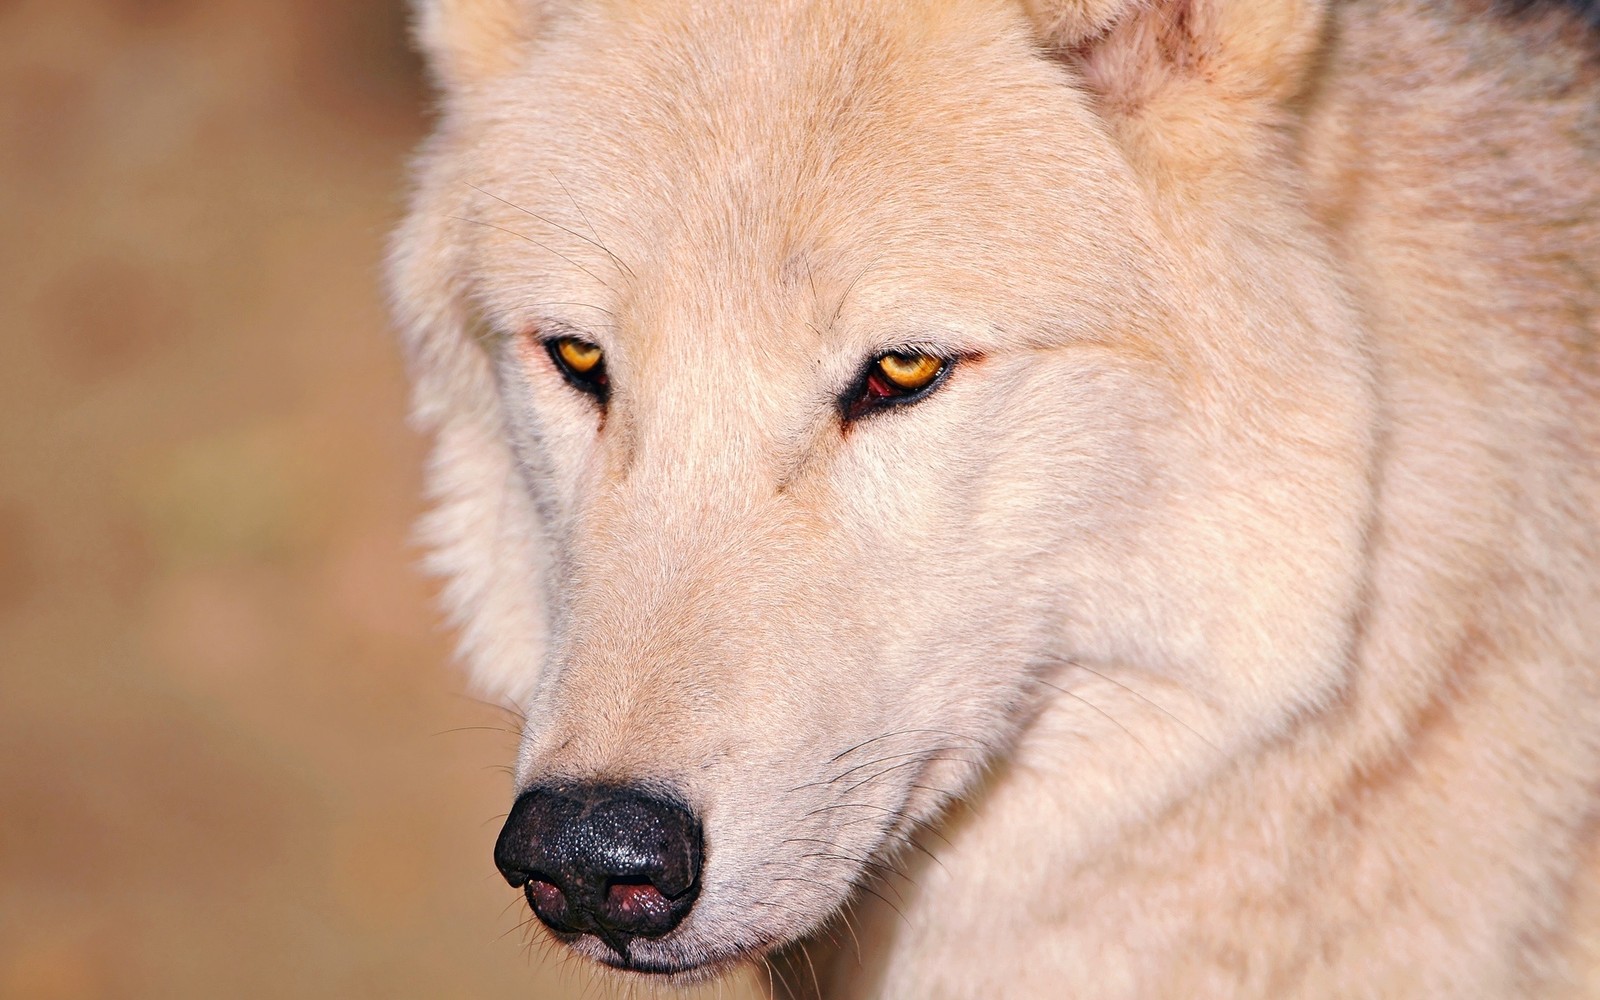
(843, 413)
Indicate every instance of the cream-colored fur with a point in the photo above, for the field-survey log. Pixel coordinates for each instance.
(1228, 625)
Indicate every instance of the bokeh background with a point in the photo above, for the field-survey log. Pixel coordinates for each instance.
(234, 758)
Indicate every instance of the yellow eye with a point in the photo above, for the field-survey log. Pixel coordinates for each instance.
(895, 377)
(910, 372)
(582, 363)
(579, 357)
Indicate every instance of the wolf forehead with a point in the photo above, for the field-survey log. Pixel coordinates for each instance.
(862, 166)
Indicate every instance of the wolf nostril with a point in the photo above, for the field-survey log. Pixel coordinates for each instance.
(549, 903)
(636, 903)
(606, 860)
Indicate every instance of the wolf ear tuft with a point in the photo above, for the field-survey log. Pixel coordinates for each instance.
(1186, 68)
(469, 41)
(1068, 23)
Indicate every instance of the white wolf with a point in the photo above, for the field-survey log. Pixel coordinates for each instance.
(1070, 498)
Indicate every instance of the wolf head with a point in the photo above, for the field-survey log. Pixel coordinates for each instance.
(839, 404)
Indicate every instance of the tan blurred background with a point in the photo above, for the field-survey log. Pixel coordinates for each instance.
(234, 760)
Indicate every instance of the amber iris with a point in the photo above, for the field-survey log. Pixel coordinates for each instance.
(579, 357)
(892, 378)
(910, 372)
(583, 364)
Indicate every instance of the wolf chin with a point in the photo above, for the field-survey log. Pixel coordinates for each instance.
(1070, 498)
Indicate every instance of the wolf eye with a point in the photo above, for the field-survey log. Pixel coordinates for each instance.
(910, 372)
(895, 377)
(583, 364)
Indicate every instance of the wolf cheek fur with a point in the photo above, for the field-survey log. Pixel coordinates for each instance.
(1225, 626)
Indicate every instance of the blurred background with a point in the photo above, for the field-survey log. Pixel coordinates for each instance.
(235, 760)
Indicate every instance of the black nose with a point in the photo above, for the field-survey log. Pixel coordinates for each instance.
(611, 861)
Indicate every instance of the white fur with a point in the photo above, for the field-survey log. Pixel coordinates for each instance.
(1223, 627)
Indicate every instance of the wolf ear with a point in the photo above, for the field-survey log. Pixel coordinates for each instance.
(1187, 75)
(468, 41)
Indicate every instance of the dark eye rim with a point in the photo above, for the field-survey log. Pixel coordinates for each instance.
(594, 382)
(870, 392)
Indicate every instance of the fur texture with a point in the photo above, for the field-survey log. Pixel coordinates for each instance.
(1226, 625)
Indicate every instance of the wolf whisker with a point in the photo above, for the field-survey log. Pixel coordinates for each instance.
(1104, 714)
(550, 222)
(880, 869)
(1153, 704)
(904, 732)
(525, 237)
(909, 763)
(896, 756)
(592, 231)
